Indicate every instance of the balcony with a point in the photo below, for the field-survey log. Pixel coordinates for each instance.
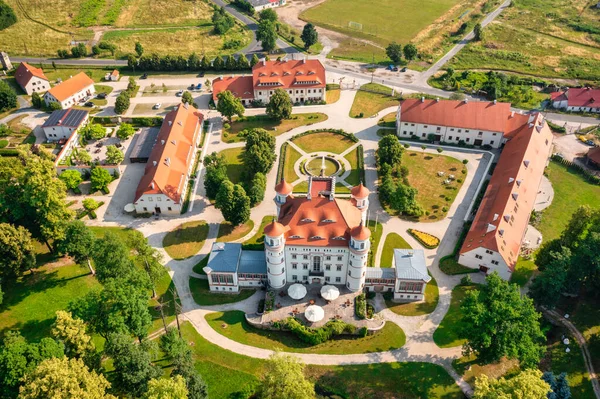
(312, 273)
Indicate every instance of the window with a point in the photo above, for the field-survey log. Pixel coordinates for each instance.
(404, 132)
(425, 126)
(150, 199)
(450, 138)
(327, 279)
(169, 208)
(338, 279)
(494, 262)
(451, 130)
(294, 277)
(317, 264)
(145, 209)
(423, 135)
(305, 257)
(328, 257)
(467, 139)
(487, 251)
(492, 142)
(478, 257)
(305, 266)
(339, 268)
(349, 273)
(294, 266)
(304, 278)
(159, 199)
(339, 258)
(294, 256)
(328, 267)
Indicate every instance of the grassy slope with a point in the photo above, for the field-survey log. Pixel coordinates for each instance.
(369, 103)
(447, 334)
(392, 241)
(186, 239)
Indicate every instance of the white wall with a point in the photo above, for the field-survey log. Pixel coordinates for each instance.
(148, 202)
(449, 134)
(36, 84)
(297, 94)
(583, 109)
(73, 100)
(469, 259)
(310, 253)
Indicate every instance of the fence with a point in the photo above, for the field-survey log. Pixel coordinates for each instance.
(587, 175)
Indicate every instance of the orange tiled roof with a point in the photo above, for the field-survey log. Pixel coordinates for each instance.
(594, 155)
(69, 87)
(25, 72)
(284, 187)
(319, 221)
(274, 229)
(289, 74)
(172, 153)
(482, 115)
(240, 86)
(360, 232)
(514, 185)
(360, 191)
(115, 72)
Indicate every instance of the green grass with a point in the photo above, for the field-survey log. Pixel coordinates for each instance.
(228, 233)
(428, 305)
(392, 241)
(356, 174)
(524, 269)
(258, 239)
(359, 51)
(200, 265)
(447, 334)
(323, 141)
(96, 74)
(233, 325)
(376, 232)
(291, 157)
(185, 240)
(450, 265)
(274, 127)
(315, 165)
(570, 192)
(235, 163)
(203, 296)
(469, 367)
(369, 103)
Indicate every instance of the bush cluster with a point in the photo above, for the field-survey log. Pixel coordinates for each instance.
(360, 306)
(427, 240)
(316, 336)
(7, 16)
(341, 132)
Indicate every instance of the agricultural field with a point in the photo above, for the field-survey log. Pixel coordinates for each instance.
(553, 39)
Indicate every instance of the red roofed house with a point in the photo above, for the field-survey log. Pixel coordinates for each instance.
(476, 123)
(260, 5)
(163, 187)
(303, 80)
(73, 90)
(31, 79)
(494, 240)
(584, 99)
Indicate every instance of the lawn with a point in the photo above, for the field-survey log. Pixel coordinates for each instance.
(185, 240)
(524, 269)
(450, 265)
(148, 109)
(323, 142)
(376, 232)
(274, 127)
(179, 41)
(388, 120)
(359, 51)
(447, 334)
(203, 296)
(101, 89)
(227, 373)
(21, 134)
(570, 192)
(368, 103)
(258, 239)
(418, 308)
(435, 197)
(233, 325)
(163, 12)
(356, 174)
(96, 74)
(291, 157)
(228, 233)
(200, 265)
(235, 163)
(470, 368)
(546, 38)
(392, 241)
(332, 96)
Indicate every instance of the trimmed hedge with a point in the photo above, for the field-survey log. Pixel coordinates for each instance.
(316, 336)
(135, 121)
(360, 306)
(361, 162)
(281, 166)
(556, 128)
(341, 132)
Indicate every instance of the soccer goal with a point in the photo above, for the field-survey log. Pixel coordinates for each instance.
(355, 25)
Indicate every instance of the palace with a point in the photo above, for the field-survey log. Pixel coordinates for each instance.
(317, 239)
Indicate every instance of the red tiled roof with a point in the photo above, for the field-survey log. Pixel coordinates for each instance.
(289, 74)
(482, 115)
(319, 221)
(284, 188)
(274, 229)
(594, 155)
(25, 72)
(319, 185)
(115, 72)
(240, 86)
(173, 151)
(71, 86)
(516, 179)
(360, 191)
(558, 96)
(360, 232)
(583, 97)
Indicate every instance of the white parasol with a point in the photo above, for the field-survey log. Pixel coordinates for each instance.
(330, 292)
(129, 208)
(314, 313)
(297, 291)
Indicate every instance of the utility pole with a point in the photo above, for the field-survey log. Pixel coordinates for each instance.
(162, 314)
(177, 309)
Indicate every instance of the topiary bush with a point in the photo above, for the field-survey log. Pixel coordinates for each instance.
(3, 143)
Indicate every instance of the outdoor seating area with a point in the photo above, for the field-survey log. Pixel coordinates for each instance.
(310, 306)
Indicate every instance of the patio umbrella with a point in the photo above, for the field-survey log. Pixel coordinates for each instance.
(314, 313)
(297, 291)
(330, 292)
(129, 208)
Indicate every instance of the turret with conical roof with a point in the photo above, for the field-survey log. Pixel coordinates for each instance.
(360, 244)
(360, 198)
(274, 253)
(283, 190)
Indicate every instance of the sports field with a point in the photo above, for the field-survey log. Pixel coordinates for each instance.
(382, 22)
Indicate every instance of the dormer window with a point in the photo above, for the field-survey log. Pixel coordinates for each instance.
(316, 238)
(515, 196)
(519, 182)
(296, 236)
(311, 72)
(526, 163)
(327, 221)
(307, 220)
(501, 232)
(339, 238)
(507, 217)
(299, 73)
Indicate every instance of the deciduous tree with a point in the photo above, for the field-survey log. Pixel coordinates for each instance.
(122, 102)
(257, 188)
(229, 105)
(149, 257)
(268, 14)
(111, 257)
(8, 97)
(71, 331)
(78, 242)
(139, 49)
(16, 251)
(410, 51)
(309, 35)
(527, 384)
(259, 152)
(167, 388)
(114, 156)
(71, 178)
(394, 52)
(267, 34)
(280, 105)
(478, 32)
(94, 131)
(187, 97)
(216, 174)
(100, 179)
(284, 378)
(125, 131)
(390, 151)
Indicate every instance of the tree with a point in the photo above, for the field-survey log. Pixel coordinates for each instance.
(309, 35)
(404, 200)
(77, 243)
(94, 131)
(111, 257)
(527, 384)
(122, 102)
(139, 49)
(131, 86)
(8, 97)
(64, 378)
(16, 251)
(184, 366)
(54, 106)
(548, 287)
(222, 21)
(478, 32)
(149, 257)
(100, 179)
(233, 203)
(131, 62)
(259, 153)
(7, 16)
(268, 14)
(254, 60)
(280, 105)
(256, 191)
(559, 385)
(284, 379)
(205, 64)
(186, 97)
(231, 63)
(410, 51)
(390, 151)
(125, 131)
(132, 363)
(229, 105)
(167, 388)
(267, 34)
(173, 345)
(72, 178)
(497, 322)
(71, 332)
(242, 63)
(394, 52)
(83, 156)
(114, 156)
(36, 100)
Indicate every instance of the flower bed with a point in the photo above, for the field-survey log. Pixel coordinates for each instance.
(427, 240)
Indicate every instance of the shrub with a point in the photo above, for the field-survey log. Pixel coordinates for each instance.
(465, 161)
(316, 336)
(363, 332)
(7, 16)
(90, 204)
(466, 280)
(360, 306)
(427, 240)
(445, 209)
(3, 143)
(371, 295)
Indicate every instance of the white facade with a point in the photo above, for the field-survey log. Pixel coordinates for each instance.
(158, 203)
(74, 99)
(274, 4)
(36, 84)
(485, 260)
(56, 133)
(298, 95)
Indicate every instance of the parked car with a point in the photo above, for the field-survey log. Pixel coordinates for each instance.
(390, 67)
(118, 145)
(199, 86)
(99, 144)
(89, 104)
(201, 75)
(144, 76)
(590, 142)
(179, 93)
(157, 106)
(101, 96)
(403, 69)
(395, 69)
(192, 86)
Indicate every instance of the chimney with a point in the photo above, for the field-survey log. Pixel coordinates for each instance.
(495, 102)
(264, 62)
(221, 77)
(168, 161)
(410, 254)
(422, 99)
(170, 123)
(512, 114)
(162, 142)
(152, 185)
(154, 163)
(304, 60)
(466, 100)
